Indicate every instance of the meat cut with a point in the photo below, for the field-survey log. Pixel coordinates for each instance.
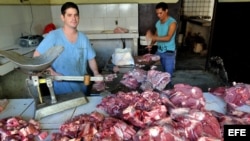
(146, 80)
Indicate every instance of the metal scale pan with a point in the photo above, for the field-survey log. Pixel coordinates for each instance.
(35, 64)
(39, 64)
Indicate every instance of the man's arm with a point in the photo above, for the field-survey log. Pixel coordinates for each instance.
(52, 72)
(93, 67)
(171, 31)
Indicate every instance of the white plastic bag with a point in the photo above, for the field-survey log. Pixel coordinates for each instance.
(122, 57)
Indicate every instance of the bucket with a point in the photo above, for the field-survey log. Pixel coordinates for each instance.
(198, 48)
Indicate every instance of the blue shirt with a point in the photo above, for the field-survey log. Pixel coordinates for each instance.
(162, 30)
(71, 62)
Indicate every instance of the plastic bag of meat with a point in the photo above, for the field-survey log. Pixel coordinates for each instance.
(122, 57)
(3, 104)
(120, 30)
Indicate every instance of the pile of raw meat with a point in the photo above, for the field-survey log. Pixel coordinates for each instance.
(237, 99)
(178, 114)
(18, 129)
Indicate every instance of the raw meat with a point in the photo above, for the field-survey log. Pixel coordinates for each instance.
(194, 123)
(146, 80)
(158, 79)
(184, 95)
(16, 128)
(139, 109)
(121, 30)
(94, 127)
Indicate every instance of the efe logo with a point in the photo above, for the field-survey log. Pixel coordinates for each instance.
(236, 132)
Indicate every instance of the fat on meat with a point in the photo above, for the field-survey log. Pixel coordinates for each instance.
(157, 133)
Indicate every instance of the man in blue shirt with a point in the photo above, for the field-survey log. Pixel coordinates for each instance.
(77, 53)
(165, 38)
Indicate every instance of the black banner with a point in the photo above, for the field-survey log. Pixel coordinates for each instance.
(233, 132)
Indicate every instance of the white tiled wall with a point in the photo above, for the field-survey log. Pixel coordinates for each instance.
(102, 16)
(198, 7)
(17, 19)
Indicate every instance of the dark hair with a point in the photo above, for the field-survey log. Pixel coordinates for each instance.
(162, 5)
(67, 5)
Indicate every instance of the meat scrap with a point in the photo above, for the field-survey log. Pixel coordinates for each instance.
(16, 128)
(158, 133)
(3, 104)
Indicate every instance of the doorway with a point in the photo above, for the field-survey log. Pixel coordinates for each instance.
(194, 34)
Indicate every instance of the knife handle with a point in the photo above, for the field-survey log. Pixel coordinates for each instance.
(86, 80)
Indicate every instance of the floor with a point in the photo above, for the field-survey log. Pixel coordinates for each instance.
(190, 69)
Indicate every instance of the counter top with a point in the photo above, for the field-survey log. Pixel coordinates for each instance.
(200, 22)
(26, 109)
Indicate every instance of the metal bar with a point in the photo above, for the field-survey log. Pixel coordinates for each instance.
(76, 78)
(51, 90)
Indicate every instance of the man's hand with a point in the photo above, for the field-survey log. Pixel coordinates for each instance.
(53, 73)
